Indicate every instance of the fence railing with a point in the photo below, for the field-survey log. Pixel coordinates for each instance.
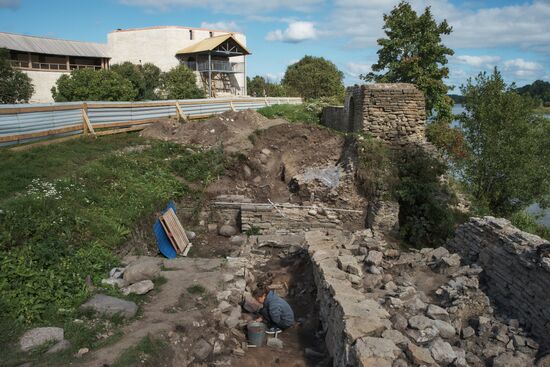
(217, 66)
(50, 66)
(24, 123)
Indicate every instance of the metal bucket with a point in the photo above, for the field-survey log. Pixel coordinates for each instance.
(256, 333)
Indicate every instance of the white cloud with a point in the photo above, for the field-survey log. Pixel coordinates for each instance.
(274, 77)
(524, 26)
(355, 69)
(522, 68)
(295, 32)
(10, 4)
(229, 6)
(222, 26)
(478, 61)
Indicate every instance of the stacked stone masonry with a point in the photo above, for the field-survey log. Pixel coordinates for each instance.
(393, 112)
(516, 268)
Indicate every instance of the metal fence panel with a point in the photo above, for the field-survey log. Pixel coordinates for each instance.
(21, 123)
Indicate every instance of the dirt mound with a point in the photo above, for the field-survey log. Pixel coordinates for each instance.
(230, 129)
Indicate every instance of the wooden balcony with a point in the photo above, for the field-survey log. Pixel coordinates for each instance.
(50, 66)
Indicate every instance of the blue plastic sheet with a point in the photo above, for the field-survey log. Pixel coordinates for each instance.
(163, 243)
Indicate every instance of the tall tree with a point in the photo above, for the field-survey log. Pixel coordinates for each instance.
(413, 52)
(508, 166)
(145, 78)
(15, 86)
(259, 87)
(314, 77)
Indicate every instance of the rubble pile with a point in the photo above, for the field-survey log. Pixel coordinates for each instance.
(399, 308)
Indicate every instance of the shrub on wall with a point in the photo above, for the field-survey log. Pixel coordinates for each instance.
(15, 86)
(180, 83)
(93, 85)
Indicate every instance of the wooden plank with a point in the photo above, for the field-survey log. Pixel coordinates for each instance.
(181, 115)
(118, 131)
(127, 123)
(13, 110)
(86, 120)
(176, 230)
(126, 105)
(40, 133)
(44, 143)
(169, 235)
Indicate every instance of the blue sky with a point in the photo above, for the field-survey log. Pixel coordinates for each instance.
(513, 35)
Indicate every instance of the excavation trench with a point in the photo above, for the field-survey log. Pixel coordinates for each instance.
(291, 276)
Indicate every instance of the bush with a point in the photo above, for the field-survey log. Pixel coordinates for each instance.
(259, 87)
(145, 78)
(314, 77)
(93, 85)
(180, 83)
(15, 86)
(426, 216)
(528, 223)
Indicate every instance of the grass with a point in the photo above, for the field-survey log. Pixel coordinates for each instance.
(196, 289)
(292, 113)
(528, 223)
(150, 351)
(65, 208)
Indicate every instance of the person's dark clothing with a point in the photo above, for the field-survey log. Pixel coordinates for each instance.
(277, 311)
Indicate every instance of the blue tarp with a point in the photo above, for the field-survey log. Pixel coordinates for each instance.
(163, 243)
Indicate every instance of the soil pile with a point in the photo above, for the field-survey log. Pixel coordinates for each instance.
(229, 129)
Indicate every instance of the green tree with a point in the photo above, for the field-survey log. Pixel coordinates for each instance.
(151, 75)
(15, 86)
(145, 78)
(179, 83)
(539, 89)
(93, 85)
(413, 52)
(508, 166)
(259, 87)
(314, 77)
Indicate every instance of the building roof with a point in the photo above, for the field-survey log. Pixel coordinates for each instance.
(52, 46)
(209, 44)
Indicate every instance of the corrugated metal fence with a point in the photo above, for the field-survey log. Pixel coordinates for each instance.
(23, 123)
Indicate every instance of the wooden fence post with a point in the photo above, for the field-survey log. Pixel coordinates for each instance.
(86, 124)
(266, 102)
(179, 113)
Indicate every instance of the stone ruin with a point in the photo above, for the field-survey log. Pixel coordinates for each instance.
(393, 112)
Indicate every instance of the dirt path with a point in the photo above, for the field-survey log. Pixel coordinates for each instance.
(161, 314)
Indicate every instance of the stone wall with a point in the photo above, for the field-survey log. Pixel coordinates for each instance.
(516, 268)
(383, 217)
(394, 112)
(285, 220)
(333, 116)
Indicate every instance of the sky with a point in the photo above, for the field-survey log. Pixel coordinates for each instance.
(512, 35)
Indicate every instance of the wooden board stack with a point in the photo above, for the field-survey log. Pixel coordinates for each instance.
(175, 232)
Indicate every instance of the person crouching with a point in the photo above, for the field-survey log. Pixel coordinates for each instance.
(276, 312)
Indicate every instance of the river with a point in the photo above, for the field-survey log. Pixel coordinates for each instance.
(533, 209)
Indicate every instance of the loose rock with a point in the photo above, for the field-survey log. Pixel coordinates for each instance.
(38, 336)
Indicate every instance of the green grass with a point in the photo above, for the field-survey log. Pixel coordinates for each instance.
(150, 351)
(65, 208)
(196, 289)
(528, 223)
(292, 113)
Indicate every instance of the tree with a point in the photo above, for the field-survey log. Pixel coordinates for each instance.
(314, 77)
(15, 86)
(145, 78)
(93, 85)
(539, 89)
(508, 166)
(259, 87)
(179, 83)
(413, 52)
(151, 75)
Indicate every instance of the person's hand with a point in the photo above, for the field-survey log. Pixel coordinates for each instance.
(259, 319)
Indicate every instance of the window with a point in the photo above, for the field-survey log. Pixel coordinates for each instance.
(211, 34)
(191, 34)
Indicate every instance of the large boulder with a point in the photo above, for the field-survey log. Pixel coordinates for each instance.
(38, 336)
(110, 306)
(142, 269)
(227, 230)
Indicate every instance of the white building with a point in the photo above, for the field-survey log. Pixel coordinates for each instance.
(217, 57)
